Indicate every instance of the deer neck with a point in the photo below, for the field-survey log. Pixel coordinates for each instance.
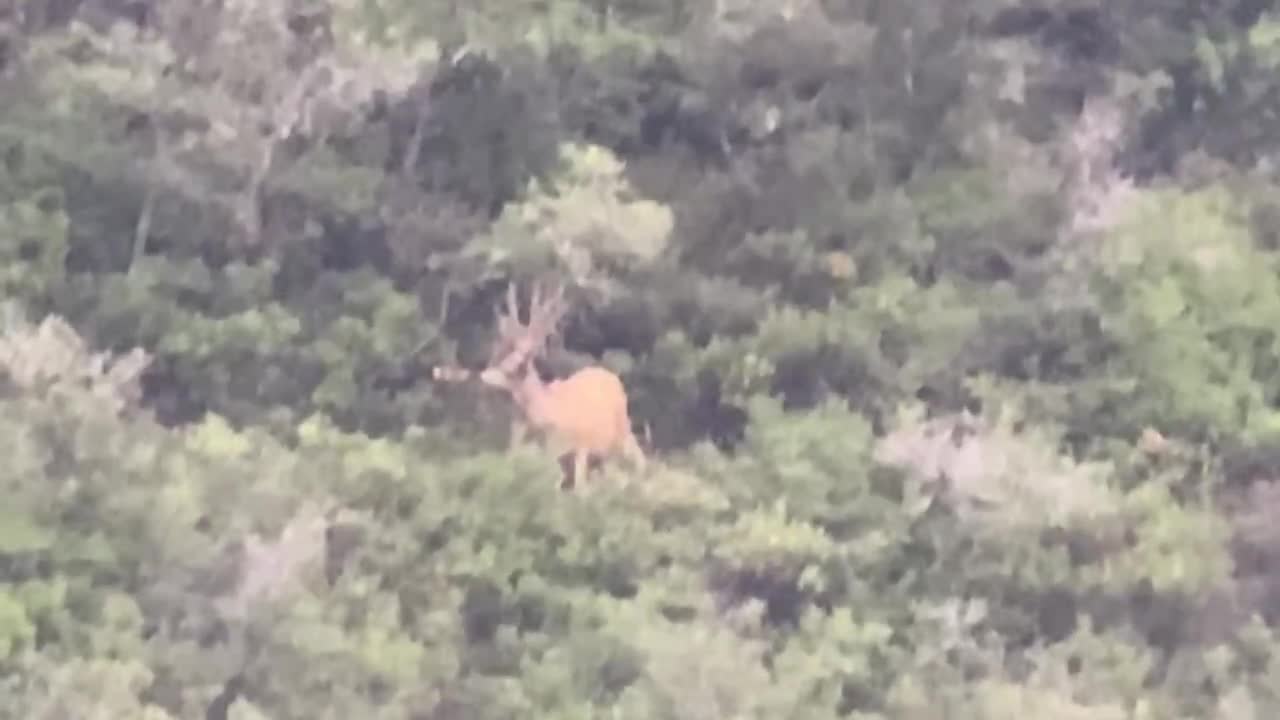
(532, 394)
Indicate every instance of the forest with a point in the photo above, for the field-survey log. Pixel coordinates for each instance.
(948, 333)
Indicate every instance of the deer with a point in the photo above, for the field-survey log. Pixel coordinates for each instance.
(585, 412)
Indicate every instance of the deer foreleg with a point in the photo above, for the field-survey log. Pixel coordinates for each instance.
(573, 466)
(580, 458)
(519, 430)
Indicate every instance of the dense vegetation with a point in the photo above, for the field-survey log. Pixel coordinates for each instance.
(952, 331)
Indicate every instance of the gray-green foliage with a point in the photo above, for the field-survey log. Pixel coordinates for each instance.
(1193, 305)
(648, 600)
(949, 330)
(590, 218)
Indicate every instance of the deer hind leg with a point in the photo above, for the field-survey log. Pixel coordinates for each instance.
(630, 446)
(566, 471)
(581, 465)
(575, 465)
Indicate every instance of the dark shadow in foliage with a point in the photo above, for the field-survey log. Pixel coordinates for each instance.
(629, 326)
(341, 541)
(1057, 614)
(798, 383)
(1252, 503)
(620, 670)
(492, 128)
(710, 417)
(1081, 34)
(172, 401)
(42, 16)
(1162, 619)
(482, 611)
(221, 704)
(783, 599)
(636, 105)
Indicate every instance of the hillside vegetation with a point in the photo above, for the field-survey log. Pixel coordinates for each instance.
(951, 331)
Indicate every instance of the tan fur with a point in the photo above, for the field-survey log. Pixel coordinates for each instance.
(584, 414)
(586, 411)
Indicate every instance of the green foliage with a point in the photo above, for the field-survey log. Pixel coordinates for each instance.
(230, 340)
(948, 330)
(1191, 304)
(35, 247)
(589, 219)
(84, 688)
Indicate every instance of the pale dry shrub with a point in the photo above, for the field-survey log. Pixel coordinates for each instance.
(998, 474)
(52, 359)
(270, 569)
(1098, 192)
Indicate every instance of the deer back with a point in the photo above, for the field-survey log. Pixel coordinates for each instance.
(588, 409)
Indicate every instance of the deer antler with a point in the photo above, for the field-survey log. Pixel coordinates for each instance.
(508, 327)
(519, 343)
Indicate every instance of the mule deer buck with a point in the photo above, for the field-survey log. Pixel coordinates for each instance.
(586, 413)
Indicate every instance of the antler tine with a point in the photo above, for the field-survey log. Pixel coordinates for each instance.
(550, 308)
(562, 307)
(544, 316)
(513, 304)
(535, 297)
(508, 325)
(537, 303)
